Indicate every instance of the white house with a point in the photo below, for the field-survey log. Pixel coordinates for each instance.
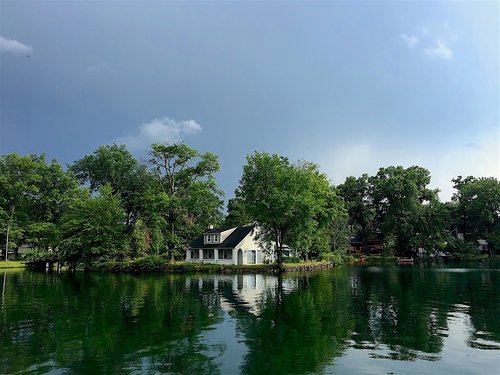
(228, 246)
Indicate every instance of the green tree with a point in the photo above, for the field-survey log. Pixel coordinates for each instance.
(141, 239)
(19, 182)
(290, 202)
(478, 208)
(358, 197)
(186, 196)
(237, 214)
(93, 228)
(115, 166)
(432, 226)
(33, 195)
(55, 190)
(399, 194)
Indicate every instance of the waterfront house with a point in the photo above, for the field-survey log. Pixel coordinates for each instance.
(237, 245)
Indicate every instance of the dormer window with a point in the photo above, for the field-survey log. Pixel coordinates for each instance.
(212, 238)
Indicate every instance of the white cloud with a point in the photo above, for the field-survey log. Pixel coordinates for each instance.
(163, 130)
(410, 40)
(13, 46)
(444, 162)
(439, 51)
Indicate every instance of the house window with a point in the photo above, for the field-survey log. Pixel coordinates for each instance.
(208, 254)
(209, 238)
(216, 238)
(195, 254)
(225, 254)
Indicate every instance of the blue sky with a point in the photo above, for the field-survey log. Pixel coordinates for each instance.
(350, 86)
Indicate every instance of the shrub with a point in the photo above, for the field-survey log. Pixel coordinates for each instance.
(460, 249)
(335, 257)
(39, 256)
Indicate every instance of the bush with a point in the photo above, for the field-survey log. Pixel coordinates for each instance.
(461, 249)
(335, 257)
(152, 263)
(39, 256)
(291, 260)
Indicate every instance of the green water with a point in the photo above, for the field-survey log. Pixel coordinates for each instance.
(346, 320)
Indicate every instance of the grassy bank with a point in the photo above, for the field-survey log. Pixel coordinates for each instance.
(160, 264)
(12, 264)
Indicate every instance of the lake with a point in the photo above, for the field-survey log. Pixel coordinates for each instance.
(346, 320)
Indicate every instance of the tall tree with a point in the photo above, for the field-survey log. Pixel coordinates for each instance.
(237, 214)
(290, 202)
(478, 201)
(399, 194)
(358, 197)
(115, 166)
(56, 189)
(93, 228)
(187, 198)
(19, 182)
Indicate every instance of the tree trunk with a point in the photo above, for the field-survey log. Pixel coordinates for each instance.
(491, 250)
(172, 243)
(8, 232)
(279, 253)
(3, 288)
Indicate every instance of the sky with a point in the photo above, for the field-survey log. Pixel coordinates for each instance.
(351, 86)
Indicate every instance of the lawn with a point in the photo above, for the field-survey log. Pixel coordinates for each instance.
(12, 264)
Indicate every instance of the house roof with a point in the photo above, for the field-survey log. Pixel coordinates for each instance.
(216, 230)
(230, 242)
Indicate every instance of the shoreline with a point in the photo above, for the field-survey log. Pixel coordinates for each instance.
(158, 264)
(186, 267)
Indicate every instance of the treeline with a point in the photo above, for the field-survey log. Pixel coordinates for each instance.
(397, 206)
(111, 206)
(108, 205)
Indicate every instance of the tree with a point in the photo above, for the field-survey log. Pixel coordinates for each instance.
(358, 197)
(141, 239)
(290, 202)
(237, 214)
(115, 166)
(478, 201)
(432, 226)
(187, 197)
(55, 190)
(93, 228)
(398, 195)
(18, 184)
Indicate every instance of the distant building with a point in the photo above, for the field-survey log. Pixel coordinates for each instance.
(374, 245)
(229, 246)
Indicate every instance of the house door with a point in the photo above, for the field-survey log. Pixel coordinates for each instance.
(240, 256)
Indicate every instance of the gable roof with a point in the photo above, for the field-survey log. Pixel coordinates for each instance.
(216, 230)
(238, 234)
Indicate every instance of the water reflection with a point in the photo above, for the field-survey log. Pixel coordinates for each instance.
(344, 320)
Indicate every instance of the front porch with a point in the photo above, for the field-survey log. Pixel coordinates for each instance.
(225, 256)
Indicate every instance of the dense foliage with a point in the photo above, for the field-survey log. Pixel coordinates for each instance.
(397, 207)
(109, 206)
(293, 204)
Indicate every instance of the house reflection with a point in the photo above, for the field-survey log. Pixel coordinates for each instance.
(241, 292)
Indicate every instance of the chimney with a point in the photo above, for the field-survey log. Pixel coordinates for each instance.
(210, 226)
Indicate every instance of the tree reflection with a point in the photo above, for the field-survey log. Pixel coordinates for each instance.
(297, 331)
(103, 323)
(298, 324)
